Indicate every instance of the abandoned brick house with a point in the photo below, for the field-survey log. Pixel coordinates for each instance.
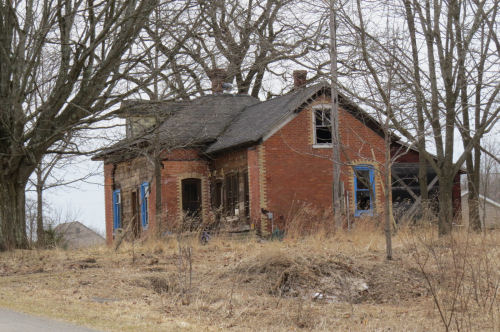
(251, 160)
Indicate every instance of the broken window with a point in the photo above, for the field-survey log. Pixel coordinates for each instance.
(364, 190)
(145, 205)
(117, 209)
(232, 190)
(323, 126)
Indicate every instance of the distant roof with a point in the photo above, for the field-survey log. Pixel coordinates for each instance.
(77, 235)
(489, 200)
(67, 225)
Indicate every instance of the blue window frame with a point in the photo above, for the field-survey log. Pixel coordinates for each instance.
(364, 190)
(117, 209)
(145, 205)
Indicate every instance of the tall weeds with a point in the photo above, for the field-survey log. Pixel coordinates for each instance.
(462, 273)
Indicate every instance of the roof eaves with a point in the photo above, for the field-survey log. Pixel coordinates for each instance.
(240, 145)
(487, 199)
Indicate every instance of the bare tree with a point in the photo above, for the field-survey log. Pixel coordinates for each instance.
(334, 116)
(48, 175)
(81, 44)
(164, 72)
(476, 96)
(248, 39)
(419, 99)
(489, 185)
(447, 35)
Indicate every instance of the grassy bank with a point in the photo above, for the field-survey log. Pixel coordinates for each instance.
(337, 282)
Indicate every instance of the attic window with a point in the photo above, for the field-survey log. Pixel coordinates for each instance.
(322, 126)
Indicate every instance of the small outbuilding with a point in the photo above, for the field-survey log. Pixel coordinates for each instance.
(489, 211)
(75, 235)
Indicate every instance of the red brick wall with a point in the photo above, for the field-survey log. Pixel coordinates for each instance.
(230, 161)
(254, 186)
(361, 145)
(128, 176)
(295, 172)
(178, 165)
(285, 170)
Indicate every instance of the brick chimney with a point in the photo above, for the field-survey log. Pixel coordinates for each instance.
(217, 76)
(299, 78)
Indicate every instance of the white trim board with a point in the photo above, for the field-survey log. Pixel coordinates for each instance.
(488, 200)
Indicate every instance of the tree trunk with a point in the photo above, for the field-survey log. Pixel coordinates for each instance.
(473, 195)
(12, 214)
(445, 205)
(40, 234)
(473, 185)
(387, 196)
(334, 119)
(158, 207)
(422, 176)
(473, 202)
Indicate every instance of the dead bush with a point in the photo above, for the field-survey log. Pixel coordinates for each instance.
(304, 220)
(462, 274)
(318, 278)
(159, 284)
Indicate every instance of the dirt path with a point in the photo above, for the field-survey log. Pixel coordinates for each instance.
(11, 321)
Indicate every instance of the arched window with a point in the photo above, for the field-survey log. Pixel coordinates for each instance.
(364, 190)
(191, 196)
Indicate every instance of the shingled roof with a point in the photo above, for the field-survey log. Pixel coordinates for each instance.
(204, 119)
(257, 120)
(192, 123)
(226, 121)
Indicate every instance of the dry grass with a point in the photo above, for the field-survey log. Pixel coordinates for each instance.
(313, 283)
